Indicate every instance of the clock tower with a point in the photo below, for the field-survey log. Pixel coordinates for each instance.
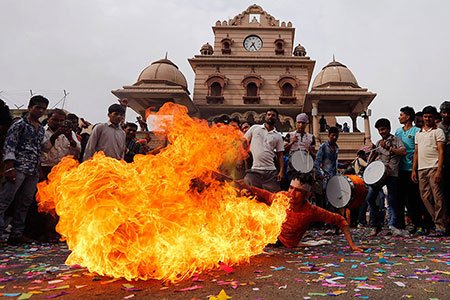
(252, 66)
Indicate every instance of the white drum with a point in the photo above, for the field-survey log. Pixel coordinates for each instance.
(346, 191)
(301, 161)
(374, 173)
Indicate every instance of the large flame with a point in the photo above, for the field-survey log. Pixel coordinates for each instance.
(164, 216)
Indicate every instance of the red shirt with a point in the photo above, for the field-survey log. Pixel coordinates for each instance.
(297, 222)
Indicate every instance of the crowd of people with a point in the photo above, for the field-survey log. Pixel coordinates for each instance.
(31, 149)
(415, 160)
(415, 164)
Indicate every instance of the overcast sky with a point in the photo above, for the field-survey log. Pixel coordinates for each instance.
(397, 49)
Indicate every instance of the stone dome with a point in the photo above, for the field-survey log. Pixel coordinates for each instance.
(163, 70)
(299, 50)
(207, 49)
(335, 73)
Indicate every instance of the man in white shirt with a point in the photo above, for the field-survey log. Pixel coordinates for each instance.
(428, 169)
(265, 142)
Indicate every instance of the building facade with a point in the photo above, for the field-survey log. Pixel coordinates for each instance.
(253, 65)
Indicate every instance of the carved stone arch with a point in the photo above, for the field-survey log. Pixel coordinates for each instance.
(279, 46)
(217, 77)
(266, 19)
(256, 79)
(288, 78)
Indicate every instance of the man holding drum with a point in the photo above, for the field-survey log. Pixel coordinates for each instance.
(300, 140)
(301, 213)
(388, 150)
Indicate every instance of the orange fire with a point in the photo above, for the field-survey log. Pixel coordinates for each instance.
(147, 220)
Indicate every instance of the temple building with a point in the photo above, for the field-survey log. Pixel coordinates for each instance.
(254, 64)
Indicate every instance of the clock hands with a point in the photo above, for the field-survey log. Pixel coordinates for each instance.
(253, 45)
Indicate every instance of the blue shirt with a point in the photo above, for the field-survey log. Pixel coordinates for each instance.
(327, 159)
(23, 145)
(407, 137)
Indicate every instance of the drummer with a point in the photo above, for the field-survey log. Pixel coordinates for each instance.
(388, 150)
(301, 214)
(300, 140)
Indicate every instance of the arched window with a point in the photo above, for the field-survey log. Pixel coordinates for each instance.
(252, 83)
(288, 84)
(216, 84)
(279, 46)
(226, 45)
(216, 89)
(252, 89)
(287, 90)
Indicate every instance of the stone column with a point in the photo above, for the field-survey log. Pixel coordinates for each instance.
(367, 136)
(315, 114)
(353, 116)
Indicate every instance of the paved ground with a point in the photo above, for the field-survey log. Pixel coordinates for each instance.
(396, 268)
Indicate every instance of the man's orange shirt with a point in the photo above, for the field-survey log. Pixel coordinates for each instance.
(296, 223)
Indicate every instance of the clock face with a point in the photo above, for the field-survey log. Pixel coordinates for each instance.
(253, 43)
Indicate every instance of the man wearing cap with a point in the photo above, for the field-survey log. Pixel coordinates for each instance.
(301, 213)
(299, 140)
(265, 142)
(445, 126)
(108, 137)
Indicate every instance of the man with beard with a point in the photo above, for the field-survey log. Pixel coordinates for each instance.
(264, 142)
(23, 145)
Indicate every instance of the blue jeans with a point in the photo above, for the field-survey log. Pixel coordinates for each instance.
(23, 191)
(376, 212)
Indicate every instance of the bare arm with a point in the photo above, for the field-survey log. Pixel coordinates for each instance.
(414, 167)
(262, 195)
(438, 175)
(281, 164)
(348, 237)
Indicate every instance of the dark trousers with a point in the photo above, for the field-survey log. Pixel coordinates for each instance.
(409, 196)
(40, 225)
(446, 180)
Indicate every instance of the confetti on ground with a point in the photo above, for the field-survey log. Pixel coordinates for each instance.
(389, 267)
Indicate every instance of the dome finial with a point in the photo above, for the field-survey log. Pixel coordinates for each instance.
(166, 55)
(334, 60)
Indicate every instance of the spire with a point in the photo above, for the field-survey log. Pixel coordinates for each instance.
(166, 55)
(334, 58)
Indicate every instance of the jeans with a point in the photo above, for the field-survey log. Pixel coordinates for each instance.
(376, 212)
(23, 191)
